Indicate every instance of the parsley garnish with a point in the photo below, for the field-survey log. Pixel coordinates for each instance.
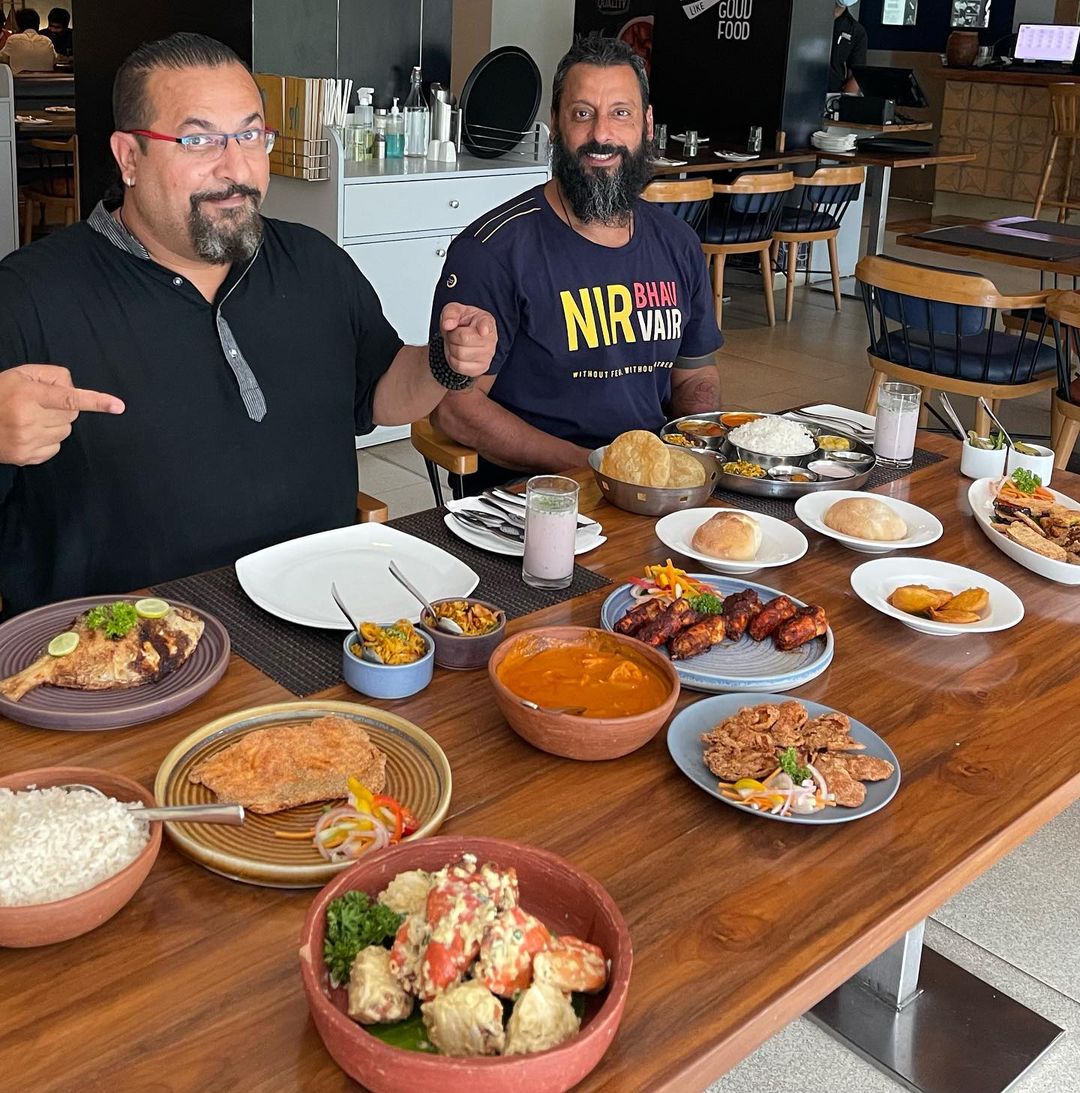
(789, 764)
(707, 604)
(116, 619)
(353, 922)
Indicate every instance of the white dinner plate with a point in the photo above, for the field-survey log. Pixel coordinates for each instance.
(292, 580)
(781, 543)
(923, 527)
(875, 581)
(981, 499)
(588, 538)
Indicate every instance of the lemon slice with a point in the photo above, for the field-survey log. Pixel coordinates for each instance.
(63, 644)
(152, 608)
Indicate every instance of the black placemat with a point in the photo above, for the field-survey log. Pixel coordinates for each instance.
(1004, 243)
(784, 509)
(304, 659)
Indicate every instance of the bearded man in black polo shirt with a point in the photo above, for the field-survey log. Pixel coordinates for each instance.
(207, 368)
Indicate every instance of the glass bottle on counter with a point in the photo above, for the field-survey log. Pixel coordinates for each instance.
(416, 118)
(395, 133)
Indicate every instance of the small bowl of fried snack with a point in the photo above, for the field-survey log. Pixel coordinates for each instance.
(638, 472)
(390, 660)
(482, 624)
(937, 598)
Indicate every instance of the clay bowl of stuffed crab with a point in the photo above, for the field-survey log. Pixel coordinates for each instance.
(566, 900)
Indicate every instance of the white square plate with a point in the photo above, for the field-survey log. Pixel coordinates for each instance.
(292, 579)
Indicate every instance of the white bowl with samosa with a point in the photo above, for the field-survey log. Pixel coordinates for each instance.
(927, 582)
(687, 532)
(922, 528)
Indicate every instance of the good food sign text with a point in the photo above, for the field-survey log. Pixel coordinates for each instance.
(734, 16)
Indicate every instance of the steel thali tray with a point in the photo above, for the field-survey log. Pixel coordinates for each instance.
(719, 447)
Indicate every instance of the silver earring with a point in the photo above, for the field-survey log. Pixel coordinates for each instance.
(129, 182)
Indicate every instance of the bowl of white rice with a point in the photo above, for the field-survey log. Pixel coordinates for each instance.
(69, 860)
(770, 440)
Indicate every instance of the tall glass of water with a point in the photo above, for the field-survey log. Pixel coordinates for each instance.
(551, 505)
(896, 423)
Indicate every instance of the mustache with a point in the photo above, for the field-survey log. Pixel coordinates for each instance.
(232, 190)
(594, 148)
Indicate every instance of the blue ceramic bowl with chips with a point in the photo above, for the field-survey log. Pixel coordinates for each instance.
(386, 680)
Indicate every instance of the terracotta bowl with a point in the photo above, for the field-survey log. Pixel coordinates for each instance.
(565, 898)
(46, 923)
(582, 737)
(459, 650)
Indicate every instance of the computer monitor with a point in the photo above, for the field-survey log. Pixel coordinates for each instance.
(1046, 42)
(898, 84)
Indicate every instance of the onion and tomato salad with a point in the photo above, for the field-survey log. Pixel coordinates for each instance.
(667, 581)
(368, 821)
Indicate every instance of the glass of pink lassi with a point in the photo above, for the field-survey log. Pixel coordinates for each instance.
(895, 424)
(551, 505)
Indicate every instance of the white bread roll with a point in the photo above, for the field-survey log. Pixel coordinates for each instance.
(733, 536)
(865, 518)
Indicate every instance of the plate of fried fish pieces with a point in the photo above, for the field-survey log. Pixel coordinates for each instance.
(784, 759)
(726, 634)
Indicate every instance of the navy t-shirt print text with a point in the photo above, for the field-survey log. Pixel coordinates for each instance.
(644, 311)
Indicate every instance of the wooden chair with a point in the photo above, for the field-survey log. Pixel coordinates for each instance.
(439, 450)
(685, 198)
(1064, 125)
(937, 329)
(741, 219)
(45, 199)
(824, 197)
(370, 510)
(1063, 309)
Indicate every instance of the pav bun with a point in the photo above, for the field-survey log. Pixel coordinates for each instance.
(865, 518)
(733, 536)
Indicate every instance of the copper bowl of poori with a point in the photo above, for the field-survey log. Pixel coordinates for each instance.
(625, 690)
(638, 472)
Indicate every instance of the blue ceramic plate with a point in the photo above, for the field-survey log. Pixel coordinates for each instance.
(684, 743)
(743, 665)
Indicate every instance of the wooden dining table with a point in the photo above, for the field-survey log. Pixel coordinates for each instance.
(739, 923)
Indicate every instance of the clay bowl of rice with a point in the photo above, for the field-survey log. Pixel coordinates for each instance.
(69, 860)
(770, 441)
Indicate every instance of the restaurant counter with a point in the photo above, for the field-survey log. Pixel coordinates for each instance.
(1002, 116)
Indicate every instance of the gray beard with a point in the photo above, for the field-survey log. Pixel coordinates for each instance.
(234, 237)
(599, 197)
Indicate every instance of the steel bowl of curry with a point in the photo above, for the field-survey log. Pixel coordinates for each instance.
(627, 689)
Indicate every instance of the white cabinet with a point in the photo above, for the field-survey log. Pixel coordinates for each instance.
(395, 218)
(9, 189)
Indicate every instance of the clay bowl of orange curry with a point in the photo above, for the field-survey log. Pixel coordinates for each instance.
(628, 690)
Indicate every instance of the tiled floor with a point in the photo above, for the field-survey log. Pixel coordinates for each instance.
(1017, 926)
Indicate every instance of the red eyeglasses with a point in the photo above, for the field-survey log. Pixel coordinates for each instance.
(212, 145)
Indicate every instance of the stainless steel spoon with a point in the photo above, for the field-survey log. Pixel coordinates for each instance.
(557, 710)
(197, 814)
(366, 653)
(448, 625)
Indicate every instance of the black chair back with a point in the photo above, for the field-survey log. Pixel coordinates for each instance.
(955, 340)
(742, 218)
(820, 208)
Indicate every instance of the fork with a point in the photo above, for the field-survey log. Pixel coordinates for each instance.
(852, 426)
(493, 525)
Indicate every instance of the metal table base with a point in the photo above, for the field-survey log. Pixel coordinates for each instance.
(932, 1026)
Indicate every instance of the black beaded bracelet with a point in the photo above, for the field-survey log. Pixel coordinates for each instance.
(440, 368)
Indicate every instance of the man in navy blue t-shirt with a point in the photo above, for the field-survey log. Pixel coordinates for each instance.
(602, 301)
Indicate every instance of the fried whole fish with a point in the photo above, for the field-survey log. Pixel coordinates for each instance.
(287, 765)
(148, 652)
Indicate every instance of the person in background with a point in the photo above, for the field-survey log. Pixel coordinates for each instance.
(602, 301)
(28, 51)
(59, 32)
(182, 379)
(848, 47)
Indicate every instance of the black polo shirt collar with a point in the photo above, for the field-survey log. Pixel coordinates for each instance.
(106, 225)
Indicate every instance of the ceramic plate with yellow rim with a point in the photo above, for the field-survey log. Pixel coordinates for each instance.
(417, 774)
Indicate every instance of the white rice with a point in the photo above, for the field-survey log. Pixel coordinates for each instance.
(773, 436)
(56, 843)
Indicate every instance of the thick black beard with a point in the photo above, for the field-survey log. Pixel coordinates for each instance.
(235, 236)
(600, 196)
